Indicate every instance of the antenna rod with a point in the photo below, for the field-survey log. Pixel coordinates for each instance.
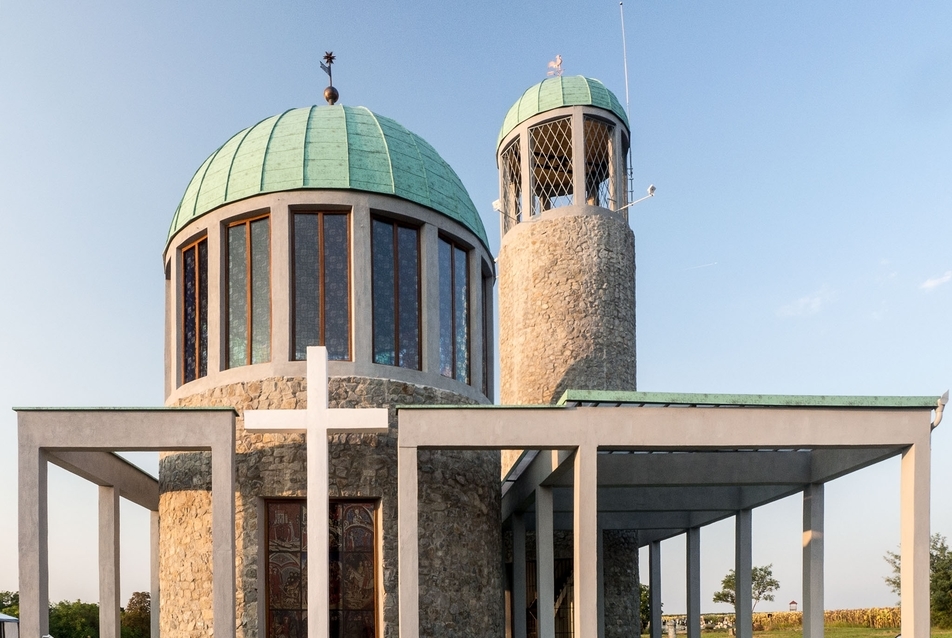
(624, 51)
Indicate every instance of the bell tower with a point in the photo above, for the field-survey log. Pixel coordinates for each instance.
(567, 256)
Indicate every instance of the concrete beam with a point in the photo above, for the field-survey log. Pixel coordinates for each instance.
(108, 469)
(830, 463)
(522, 493)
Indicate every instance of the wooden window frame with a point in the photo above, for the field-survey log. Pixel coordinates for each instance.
(249, 304)
(194, 246)
(467, 250)
(395, 320)
(322, 331)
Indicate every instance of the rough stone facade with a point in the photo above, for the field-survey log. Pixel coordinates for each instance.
(461, 578)
(566, 308)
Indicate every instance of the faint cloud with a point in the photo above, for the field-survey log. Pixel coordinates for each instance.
(935, 282)
(808, 305)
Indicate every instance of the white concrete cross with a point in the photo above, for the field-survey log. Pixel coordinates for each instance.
(316, 422)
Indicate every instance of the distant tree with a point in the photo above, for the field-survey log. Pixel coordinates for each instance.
(940, 579)
(74, 620)
(763, 584)
(136, 617)
(645, 607)
(10, 603)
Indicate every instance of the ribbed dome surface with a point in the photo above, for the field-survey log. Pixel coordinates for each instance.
(552, 93)
(332, 147)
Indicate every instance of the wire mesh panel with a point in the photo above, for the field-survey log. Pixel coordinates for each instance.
(550, 148)
(599, 168)
(512, 186)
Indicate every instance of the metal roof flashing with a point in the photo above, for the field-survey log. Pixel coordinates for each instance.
(600, 397)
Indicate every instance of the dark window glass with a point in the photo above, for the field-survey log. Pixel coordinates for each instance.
(321, 284)
(249, 292)
(195, 311)
(352, 562)
(454, 311)
(395, 257)
(487, 333)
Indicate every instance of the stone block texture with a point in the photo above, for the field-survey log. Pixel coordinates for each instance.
(461, 576)
(566, 308)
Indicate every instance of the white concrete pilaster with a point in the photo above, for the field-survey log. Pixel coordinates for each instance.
(545, 562)
(518, 575)
(813, 605)
(33, 541)
(601, 582)
(109, 602)
(223, 539)
(914, 539)
(585, 509)
(743, 603)
(409, 549)
(654, 587)
(693, 581)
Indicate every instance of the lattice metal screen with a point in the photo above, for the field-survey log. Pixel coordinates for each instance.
(550, 148)
(512, 186)
(600, 185)
(625, 173)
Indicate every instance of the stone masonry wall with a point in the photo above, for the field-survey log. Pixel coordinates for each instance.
(461, 578)
(566, 308)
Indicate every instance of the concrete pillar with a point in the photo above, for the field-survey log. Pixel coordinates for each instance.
(813, 605)
(545, 562)
(743, 611)
(223, 539)
(693, 581)
(654, 587)
(108, 562)
(33, 541)
(154, 575)
(408, 542)
(585, 540)
(518, 576)
(914, 539)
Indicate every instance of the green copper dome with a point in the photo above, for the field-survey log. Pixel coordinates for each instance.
(333, 147)
(575, 90)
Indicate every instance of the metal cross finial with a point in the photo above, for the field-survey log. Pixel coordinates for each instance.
(555, 66)
(330, 93)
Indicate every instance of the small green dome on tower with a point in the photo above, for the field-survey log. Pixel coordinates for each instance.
(553, 93)
(327, 147)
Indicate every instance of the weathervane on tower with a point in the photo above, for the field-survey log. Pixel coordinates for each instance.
(555, 66)
(330, 93)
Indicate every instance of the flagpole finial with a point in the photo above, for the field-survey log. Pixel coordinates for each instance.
(330, 93)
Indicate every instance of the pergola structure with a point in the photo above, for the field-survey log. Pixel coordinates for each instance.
(668, 464)
(83, 441)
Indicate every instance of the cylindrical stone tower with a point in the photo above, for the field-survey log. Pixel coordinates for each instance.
(567, 259)
(567, 275)
(330, 226)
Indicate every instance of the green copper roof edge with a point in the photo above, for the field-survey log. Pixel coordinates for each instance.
(479, 406)
(178, 211)
(426, 182)
(267, 147)
(766, 400)
(386, 145)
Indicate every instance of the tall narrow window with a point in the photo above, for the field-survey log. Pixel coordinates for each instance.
(454, 311)
(321, 297)
(351, 558)
(249, 292)
(395, 262)
(600, 182)
(195, 311)
(487, 334)
(512, 186)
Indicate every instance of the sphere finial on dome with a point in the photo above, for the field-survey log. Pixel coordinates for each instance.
(330, 93)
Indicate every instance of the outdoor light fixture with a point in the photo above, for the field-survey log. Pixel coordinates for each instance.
(651, 192)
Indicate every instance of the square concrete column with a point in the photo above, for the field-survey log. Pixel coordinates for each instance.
(545, 562)
(813, 606)
(518, 576)
(585, 515)
(693, 581)
(33, 541)
(654, 587)
(108, 562)
(223, 539)
(914, 539)
(601, 582)
(743, 603)
(408, 542)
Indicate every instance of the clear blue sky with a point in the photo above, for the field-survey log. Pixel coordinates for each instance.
(798, 242)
